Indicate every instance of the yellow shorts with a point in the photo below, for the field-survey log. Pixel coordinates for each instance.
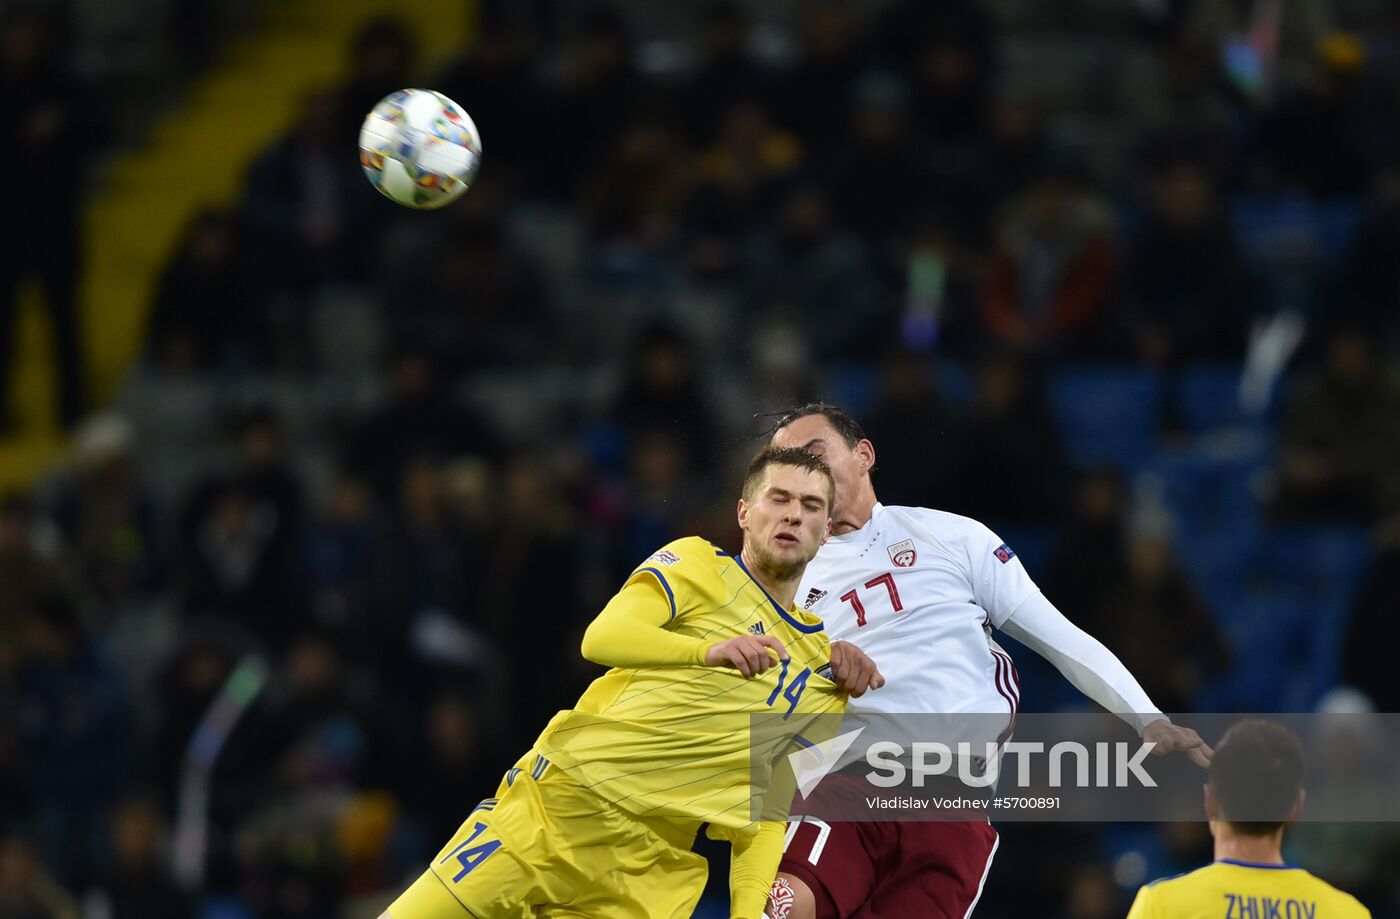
(546, 846)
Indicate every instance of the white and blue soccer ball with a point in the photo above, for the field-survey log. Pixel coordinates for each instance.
(419, 148)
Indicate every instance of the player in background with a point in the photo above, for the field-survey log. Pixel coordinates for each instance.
(599, 818)
(920, 591)
(1257, 772)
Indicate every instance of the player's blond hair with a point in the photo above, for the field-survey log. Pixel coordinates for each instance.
(798, 457)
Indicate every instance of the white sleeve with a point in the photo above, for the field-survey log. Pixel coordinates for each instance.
(1093, 669)
(1000, 583)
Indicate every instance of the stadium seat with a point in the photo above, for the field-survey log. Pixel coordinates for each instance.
(1275, 228)
(854, 386)
(1107, 414)
(953, 382)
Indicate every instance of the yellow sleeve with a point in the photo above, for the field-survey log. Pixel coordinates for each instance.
(1143, 905)
(753, 864)
(630, 631)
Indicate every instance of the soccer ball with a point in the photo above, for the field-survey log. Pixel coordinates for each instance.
(419, 148)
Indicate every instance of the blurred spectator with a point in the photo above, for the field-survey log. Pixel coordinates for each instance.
(339, 549)
(140, 884)
(1315, 139)
(417, 420)
(27, 574)
(471, 296)
(1152, 617)
(50, 134)
(419, 565)
(240, 534)
(308, 205)
(1093, 543)
(1125, 586)
(1093, 895)
(108, 520)
(184, 691)
(1340, 447)
(1366, 663)
(828, 64)
(915, 432)
(1187, 296)
(1048, 282)
(951, 78)
(72, 713)
(739, 175)
(974, 190)
(1008, 467)
(493, 81)
(1368, 294)
(458, 764)
(633, 203)
(319, 731)
(940, 308)
(601, 93)
(16, 793)
(809, 268)
(26, 889)
(546, 615)
(381, 58)
(726, 73)
(663, 496)
(209, 312)
(1193, 112)
(1347, 774)
(662, 392)
(880, 179)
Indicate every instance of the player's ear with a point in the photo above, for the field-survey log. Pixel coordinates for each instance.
(1212, 806)
(1297, 808)
(743, 514)
(865, 451)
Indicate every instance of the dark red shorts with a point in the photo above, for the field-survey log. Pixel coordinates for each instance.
(887, 870)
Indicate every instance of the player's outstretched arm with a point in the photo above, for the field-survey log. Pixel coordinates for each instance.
(1093, 669)
(753, 863)
(1099, 674)
(630, 632)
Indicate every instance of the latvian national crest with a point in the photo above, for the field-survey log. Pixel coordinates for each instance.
(903, 554)
(813, 596)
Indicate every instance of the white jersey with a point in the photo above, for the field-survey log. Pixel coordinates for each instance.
(919, 591)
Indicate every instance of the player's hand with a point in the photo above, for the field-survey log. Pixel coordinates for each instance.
(1170, 738)
(749, 654)
(853, 670)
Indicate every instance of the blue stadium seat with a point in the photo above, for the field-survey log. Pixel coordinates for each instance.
(953, 382)
(1207, 397)
(1107, 414)
(854, 386)
(1272, 228)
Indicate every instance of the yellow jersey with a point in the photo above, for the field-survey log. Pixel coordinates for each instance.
(675, 742)
(1229, 889)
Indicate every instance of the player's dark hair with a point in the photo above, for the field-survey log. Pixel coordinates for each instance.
(1257, 772)
(844, 424)
(788, 456)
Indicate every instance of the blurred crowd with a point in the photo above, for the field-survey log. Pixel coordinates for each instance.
(321, 572)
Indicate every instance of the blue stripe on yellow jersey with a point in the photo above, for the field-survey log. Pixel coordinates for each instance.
(1229, 889)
